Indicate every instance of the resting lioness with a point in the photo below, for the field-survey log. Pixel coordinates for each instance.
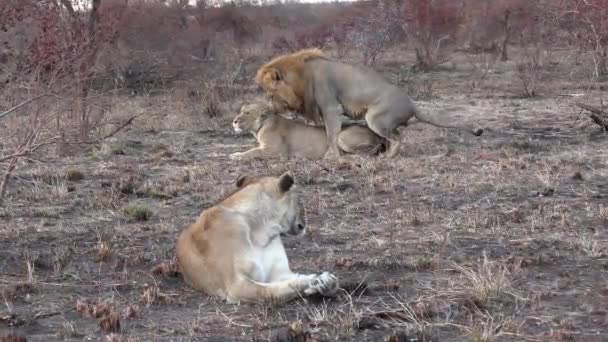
(277, 135)
(234, 249)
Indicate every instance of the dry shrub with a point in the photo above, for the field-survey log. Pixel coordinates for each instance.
(530, 72)
(106, 315)
(132, 312)
(487, 283)
(586, 22)
(46, 98)
(167, 268)
(431, 25)
(370, 28)
(493, 25)
(109, 323)
(88, 308)
(153, 296)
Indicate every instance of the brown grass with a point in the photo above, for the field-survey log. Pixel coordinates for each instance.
(494, 238)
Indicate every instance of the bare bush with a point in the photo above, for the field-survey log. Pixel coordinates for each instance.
(587, 20)
(370, 31)
(46, 97)
(494, 25)
(530, 71)
(431, 25)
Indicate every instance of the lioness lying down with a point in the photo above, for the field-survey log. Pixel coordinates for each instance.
(234, 249)
(277, 135)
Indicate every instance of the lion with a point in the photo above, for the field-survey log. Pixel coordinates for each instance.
(234, 249)
(312, 84)
(277, 135)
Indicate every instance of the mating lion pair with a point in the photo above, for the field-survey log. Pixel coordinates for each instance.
(286, 138)
(322, 89)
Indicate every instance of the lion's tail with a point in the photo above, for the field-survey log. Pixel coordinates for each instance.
(424, 117)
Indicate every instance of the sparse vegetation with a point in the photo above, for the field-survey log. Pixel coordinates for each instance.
(115, 132)
(137, 212)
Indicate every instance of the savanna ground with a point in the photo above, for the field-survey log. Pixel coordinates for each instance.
(494, 238)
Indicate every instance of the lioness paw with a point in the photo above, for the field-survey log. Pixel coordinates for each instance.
(326, 284)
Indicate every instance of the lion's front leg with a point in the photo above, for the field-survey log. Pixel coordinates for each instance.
(333, 124)
(297, 285)
(332, 112)
(325, 283)
(257, 152)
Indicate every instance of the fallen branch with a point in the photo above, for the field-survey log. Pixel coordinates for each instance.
(121, 127)
(598, 115)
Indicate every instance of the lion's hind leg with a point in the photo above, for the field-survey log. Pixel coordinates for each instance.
(382, 124)
(358, 139)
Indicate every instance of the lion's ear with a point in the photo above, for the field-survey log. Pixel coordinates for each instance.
(265, 114)
(275, 74)
(240, 180)
(286, 181)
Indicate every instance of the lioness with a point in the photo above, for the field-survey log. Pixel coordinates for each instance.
(277, 135)
(234, 249)
(316, 86)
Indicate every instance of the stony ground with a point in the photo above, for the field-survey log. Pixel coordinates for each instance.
(494, 238)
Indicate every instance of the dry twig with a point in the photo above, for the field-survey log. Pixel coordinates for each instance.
(598, 115)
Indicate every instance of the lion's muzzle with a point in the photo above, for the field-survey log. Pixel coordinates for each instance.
(236, 126)
(297, 228)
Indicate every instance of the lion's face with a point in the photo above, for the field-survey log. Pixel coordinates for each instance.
(280, 91)
(287, 195)
(251, 118)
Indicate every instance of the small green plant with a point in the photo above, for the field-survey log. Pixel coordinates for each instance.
(74, 175)
(137, 212)
(118, 149)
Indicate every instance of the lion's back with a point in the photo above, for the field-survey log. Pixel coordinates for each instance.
(300, 139)
(199, 247)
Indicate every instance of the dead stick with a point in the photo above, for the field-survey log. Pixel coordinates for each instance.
(597, 115)
(6, 178)
(592, 109)
(121, 127)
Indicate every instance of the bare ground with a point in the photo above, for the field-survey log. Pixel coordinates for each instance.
(497, 238)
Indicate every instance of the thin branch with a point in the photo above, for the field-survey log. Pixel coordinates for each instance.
(121, 127)
(29, 147)
(2, 115)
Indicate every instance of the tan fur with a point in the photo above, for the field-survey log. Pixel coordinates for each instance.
(277, 135)
(234, 249)
(316, 86)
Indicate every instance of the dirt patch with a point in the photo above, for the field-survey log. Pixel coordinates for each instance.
(458, 237)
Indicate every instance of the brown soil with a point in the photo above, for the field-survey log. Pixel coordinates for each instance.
(494, 238)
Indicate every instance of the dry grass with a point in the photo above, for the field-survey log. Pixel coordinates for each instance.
(458, 238)
(486, 283)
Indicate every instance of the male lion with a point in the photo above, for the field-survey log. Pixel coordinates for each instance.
(278, 135)
(234, 249)
(316, 86)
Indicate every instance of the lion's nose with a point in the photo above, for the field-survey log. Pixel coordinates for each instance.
(300, 227)
(235, 121)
